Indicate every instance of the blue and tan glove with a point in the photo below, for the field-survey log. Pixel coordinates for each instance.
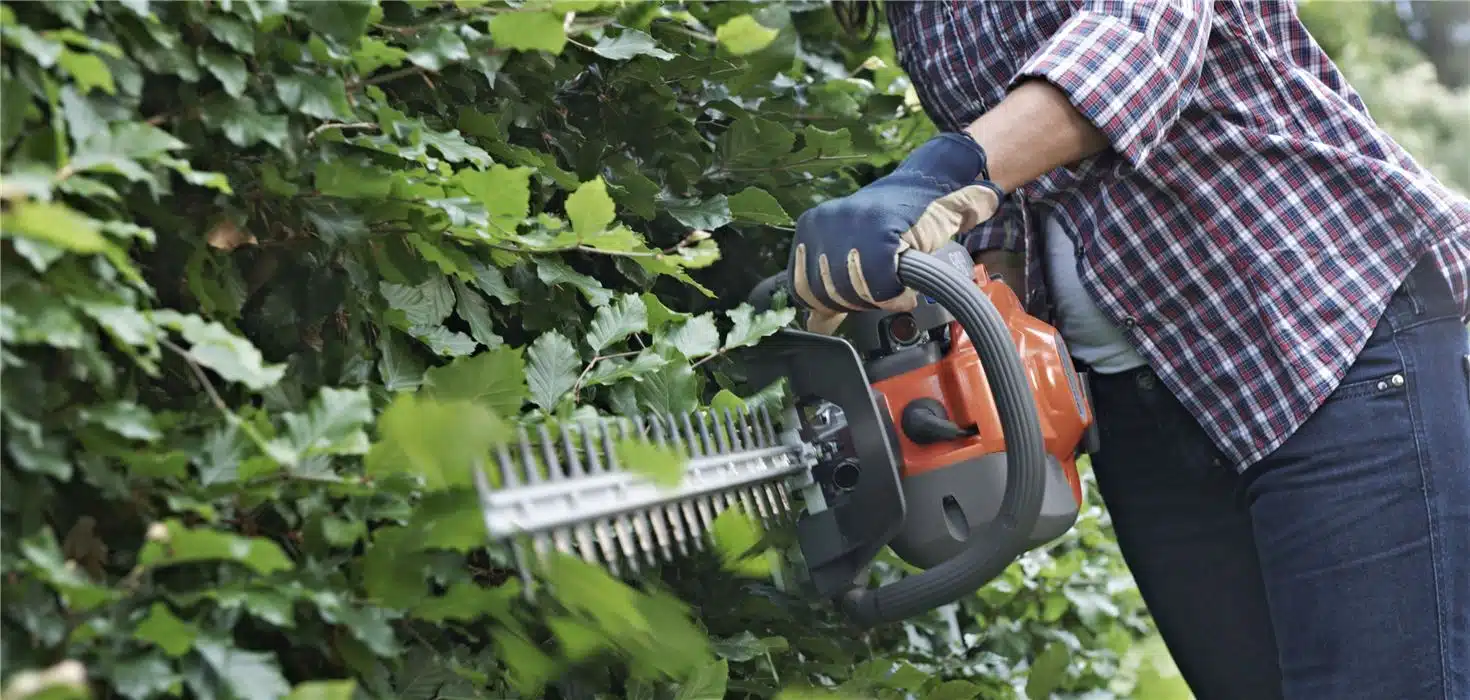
(845, 256)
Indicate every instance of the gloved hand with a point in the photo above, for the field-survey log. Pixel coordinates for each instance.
(845, 256)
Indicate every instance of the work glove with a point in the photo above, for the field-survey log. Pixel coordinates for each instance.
(845, 255)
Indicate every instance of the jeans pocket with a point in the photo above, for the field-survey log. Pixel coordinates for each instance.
(1383, 383)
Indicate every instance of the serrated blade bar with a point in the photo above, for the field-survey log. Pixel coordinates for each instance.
(597, 496)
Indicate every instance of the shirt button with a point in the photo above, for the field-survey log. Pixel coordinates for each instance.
(1130, 322)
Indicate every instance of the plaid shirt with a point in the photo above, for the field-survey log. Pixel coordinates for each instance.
(1250, 222)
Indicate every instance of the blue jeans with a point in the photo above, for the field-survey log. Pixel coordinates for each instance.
(1339, 566)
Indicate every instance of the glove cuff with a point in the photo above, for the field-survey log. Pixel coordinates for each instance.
(955, 157)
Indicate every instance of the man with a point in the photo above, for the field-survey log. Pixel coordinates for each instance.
(1272, 294)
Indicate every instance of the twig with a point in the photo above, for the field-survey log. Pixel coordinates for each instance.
(577, 387)
(339, 126)
(707, 358)
(386, 77)
(214, 397)
(794, 164)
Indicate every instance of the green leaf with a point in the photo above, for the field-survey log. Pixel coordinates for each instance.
(398, 367)
(628, 44)
(143, 677)
(344, 21)
(695, 337)
(554, 365)
(553, 272)
(437, 47)
(163, 629)
(1047, 672)
(476, 312)
(662, 465)
(319, 96)
(736, 536)
(343, 178)
(54, 224)
(233, 32)
(746, 646)
(744, 35)
(489, 280)
(88, 71)
(323, 690)
(215, 347)
(750, 327)
(757, 205)
(707, 683)
(244, 125)
(529, 31)
(437, 441)
(372, 54)
(126, 419)
(464, 602)
(453, 148)
(954, 690)
(705, 214)
(616, 321)
(755, 142)
(228, 68)
(424, 304)
(610, 370)
(332, 424)
(660, 315)
(248, 675)
(505, 193)
(444, 342)
(172, 543)
(590, 208)
(495, 378)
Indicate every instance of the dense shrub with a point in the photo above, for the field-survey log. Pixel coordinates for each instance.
(275, 274)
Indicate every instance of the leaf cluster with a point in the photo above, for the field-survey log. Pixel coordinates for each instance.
(275, 276)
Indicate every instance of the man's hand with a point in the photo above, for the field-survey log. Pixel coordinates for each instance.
(845, 256)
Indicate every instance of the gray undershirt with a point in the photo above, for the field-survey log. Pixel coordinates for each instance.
(1090, 336)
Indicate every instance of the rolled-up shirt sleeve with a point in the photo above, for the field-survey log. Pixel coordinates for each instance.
(1130, 67)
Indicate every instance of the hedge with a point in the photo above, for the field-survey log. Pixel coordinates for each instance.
(274, 274)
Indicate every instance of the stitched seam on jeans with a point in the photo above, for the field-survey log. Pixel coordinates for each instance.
(1415, 411)
(1448, 317)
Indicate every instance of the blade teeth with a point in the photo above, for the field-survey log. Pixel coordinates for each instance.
(699, 515)
(749, 496)
(586, 540)
(602, 529)
(671, 512)
(562, 537)
(763, 496)
(641, 530)
(540, 542)
(622, 530)
(508, 476)
(768, 432)
(656, 516)
(721, 500)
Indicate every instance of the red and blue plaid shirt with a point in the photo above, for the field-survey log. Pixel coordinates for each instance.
(1251, 220)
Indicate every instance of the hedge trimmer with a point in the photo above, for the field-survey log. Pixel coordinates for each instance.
(948, 434)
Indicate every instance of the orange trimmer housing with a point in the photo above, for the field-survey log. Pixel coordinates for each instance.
(953, 481)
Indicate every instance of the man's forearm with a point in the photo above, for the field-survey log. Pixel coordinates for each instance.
(1033, 131)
